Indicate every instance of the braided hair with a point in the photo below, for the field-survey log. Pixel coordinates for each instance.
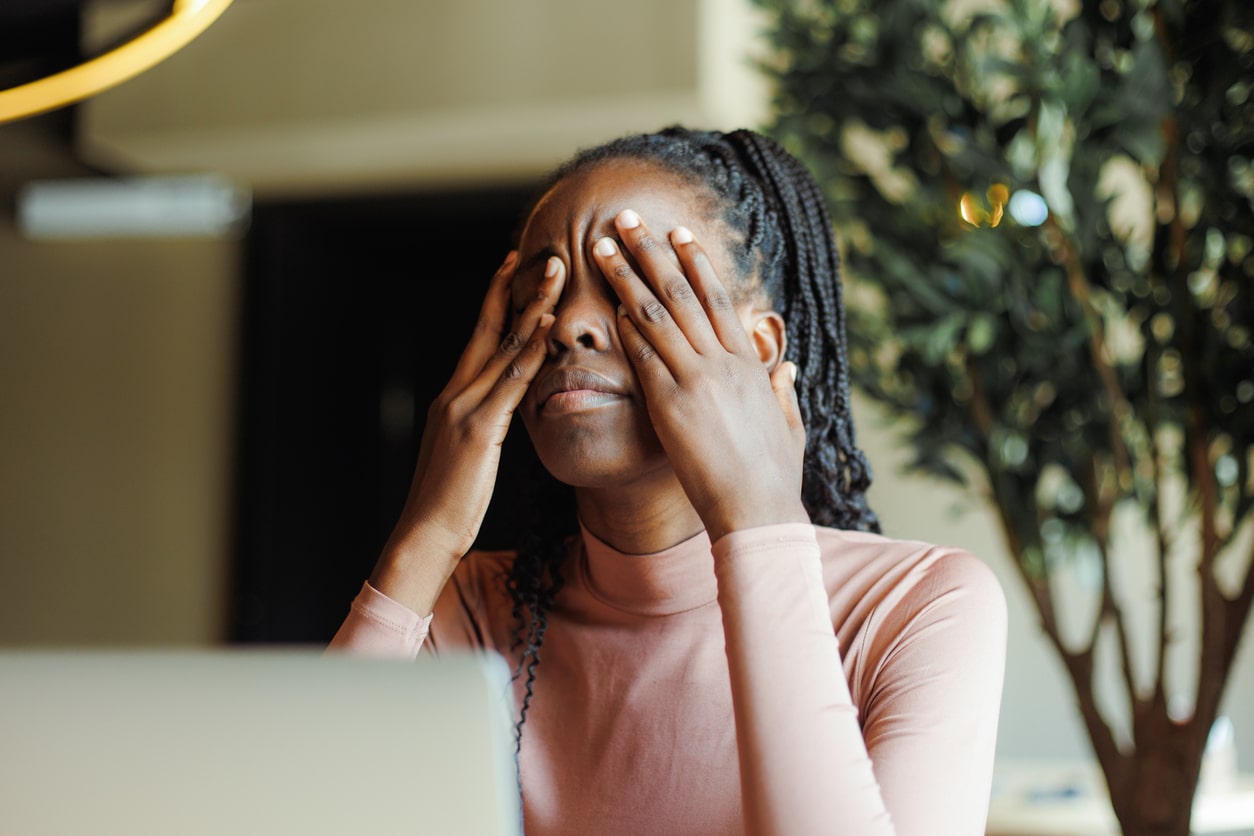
(782, 231)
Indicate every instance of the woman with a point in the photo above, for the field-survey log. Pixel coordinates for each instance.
(728, 643)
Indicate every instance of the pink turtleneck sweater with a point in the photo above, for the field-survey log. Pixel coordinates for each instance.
(790, 679)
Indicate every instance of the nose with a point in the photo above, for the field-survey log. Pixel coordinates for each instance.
(585, 314)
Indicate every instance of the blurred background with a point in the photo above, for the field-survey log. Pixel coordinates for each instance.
(205, 438)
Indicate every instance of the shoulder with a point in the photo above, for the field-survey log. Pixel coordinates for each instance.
(913, 615)
(481, 577)
(475, 607)
(864, 572)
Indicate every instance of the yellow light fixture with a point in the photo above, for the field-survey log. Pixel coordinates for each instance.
(187, 19)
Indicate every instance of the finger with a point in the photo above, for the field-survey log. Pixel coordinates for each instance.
(664, 275)
(493, 315)
(649, 316)
(511, 385)
(504, 360)
(720, 310)
(651, 369)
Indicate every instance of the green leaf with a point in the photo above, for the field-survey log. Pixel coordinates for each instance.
(981, 333)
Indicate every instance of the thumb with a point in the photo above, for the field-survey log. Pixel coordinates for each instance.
(783, 381)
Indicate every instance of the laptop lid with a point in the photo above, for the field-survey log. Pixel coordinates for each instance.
(191, 742)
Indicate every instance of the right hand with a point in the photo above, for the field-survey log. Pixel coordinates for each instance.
(461, 443)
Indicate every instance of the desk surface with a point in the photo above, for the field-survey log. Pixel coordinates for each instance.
(1042, 798)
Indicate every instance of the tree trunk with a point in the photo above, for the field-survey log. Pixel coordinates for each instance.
(1152, 791)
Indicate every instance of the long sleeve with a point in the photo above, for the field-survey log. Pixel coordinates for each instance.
(378, 626)
(929, 676)
(463, 618)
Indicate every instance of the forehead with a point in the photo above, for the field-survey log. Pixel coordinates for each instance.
(589, 198)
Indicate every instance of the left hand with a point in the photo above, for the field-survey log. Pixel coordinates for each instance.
(733, 431)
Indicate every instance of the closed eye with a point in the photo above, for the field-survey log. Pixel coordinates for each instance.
(527, 277)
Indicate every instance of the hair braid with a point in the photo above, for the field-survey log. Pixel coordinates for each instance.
(806, 288)
(535, 577)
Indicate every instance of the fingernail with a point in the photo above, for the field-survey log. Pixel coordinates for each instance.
(550, 269)
(792, 371)
(605, 247)
(628, 219)
(681, 235)
(546, 320)
(622, 311)
(511, 258)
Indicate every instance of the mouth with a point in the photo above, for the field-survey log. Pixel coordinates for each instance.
(575, 389)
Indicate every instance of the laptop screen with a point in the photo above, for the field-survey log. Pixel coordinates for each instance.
(190, 742)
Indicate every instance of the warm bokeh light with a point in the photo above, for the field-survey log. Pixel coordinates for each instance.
(970, 210)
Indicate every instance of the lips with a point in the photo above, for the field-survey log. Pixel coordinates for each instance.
(574, 379)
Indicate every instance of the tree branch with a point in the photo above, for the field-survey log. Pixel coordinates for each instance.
(1079, 664)
(1038, 588)
(1238, 611)
(1212, 671)
(1078, 283)
(1156, 517)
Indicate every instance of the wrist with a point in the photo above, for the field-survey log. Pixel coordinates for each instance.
(413, 571)
(719, 525)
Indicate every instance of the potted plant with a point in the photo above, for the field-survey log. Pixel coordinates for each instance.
(1047, 217)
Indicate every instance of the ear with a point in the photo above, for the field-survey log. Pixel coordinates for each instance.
(766, 330)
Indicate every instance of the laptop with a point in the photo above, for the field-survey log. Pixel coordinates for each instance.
(265, 741)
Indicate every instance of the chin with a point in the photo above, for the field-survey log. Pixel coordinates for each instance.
(583, 457)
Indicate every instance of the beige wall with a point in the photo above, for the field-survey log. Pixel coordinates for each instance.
(315, 96)
(115, 436)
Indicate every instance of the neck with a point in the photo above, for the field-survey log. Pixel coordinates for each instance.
(639, 521)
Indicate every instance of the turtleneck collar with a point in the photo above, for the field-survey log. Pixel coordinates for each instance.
(671, 581)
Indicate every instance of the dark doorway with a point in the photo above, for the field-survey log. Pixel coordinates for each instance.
(355, 313)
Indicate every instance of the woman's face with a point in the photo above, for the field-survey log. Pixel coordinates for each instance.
(585, 410)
